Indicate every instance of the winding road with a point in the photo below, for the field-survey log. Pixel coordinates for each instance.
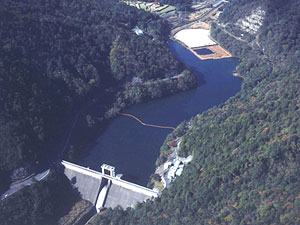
(19, 185)
(38, 177)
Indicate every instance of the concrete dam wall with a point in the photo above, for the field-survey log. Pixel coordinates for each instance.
(104, 190)
(87, 186)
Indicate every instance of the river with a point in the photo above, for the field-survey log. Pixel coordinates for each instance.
(133, 148)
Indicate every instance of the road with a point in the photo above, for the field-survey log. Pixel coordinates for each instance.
(19, 185)
(50, 160)
(28, 181)
(249, 44)
(232, 35)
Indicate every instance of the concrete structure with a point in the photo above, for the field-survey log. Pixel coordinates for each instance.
(111, 169)
(102, 196)
(86, 185)
(105, 190)
(172, 168)
(218, 3)
(124, 197)
(23, 183)
(194, 38)
(138, 31)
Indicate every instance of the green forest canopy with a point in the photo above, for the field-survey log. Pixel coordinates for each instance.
(58, 55)
(246, 161)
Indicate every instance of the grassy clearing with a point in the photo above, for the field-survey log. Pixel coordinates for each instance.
(160, 10)
(143, 6)
(167, 9)
(168, 12)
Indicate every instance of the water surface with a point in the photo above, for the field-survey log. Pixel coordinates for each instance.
(203, 51)
(133, 148)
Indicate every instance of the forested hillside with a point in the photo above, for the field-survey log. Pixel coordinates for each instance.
(246, 161)
(57, 57)
(41, 203)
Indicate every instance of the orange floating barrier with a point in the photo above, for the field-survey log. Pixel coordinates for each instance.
(145, 124)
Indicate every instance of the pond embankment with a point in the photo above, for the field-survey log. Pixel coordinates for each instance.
(198, 39)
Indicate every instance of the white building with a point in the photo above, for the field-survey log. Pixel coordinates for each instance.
(138, 31)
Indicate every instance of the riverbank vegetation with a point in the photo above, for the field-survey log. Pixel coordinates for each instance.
(60, 58)
(246, 161)
(140, 92)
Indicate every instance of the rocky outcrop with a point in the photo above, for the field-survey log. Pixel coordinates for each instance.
(253, 22)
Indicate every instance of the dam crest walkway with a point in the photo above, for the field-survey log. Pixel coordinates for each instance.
(105, 190)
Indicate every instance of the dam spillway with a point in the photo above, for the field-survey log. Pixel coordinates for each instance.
(104, 190)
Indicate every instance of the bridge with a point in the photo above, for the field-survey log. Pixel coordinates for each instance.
(105, 190)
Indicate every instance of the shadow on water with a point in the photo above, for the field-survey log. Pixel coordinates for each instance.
(130, 178)
(133, 148)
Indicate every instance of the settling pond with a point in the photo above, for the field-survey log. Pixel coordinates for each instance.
(203, 51)
(133, 148)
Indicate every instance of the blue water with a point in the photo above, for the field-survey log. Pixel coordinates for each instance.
(133, 148)
(203, 51)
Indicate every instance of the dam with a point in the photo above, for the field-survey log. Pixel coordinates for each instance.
(104, 189)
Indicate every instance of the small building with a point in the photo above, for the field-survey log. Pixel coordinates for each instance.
(177, 163)
(175, 170)
(179, 171)
(171, 173)
(167, 165)
(138, 31)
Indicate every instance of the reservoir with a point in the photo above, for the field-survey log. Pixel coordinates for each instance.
(203, 51)
(133, 148)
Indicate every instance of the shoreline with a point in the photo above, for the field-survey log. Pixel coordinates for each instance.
(217, 48)
(236, 74)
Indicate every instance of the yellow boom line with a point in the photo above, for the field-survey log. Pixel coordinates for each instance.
(145, 124)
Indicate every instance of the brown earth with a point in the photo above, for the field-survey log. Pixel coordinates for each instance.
(193, 25)
(197, 14)
(80, 212)
(236, 74)
(202, 25)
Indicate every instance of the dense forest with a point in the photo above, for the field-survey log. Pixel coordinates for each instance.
(246, 161)
(59, 57)
(40, 203)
